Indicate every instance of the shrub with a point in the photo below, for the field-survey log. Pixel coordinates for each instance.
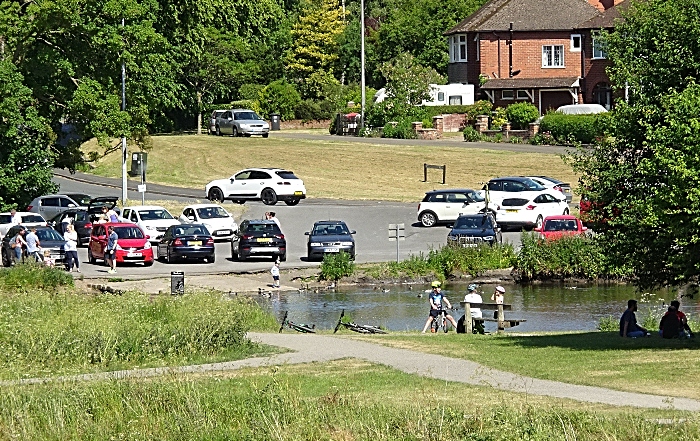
(33, 275)
(521, 115)
(250, 91)
(253, 105)
(281, 97)
(472, 110)
(498, 118)
(308, 110)
(337, 266)
(402, 130)
(578, 128)
(472, 135)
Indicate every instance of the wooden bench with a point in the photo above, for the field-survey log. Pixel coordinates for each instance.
(503, 323)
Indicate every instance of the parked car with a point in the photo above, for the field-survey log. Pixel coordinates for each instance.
(218, 221)
(238, 122)
(447, 205)
(529, 212)
(515, 187)
(50, 205)
(554, 227)
(268, 185)
(472, 230)
(259, 238)
(154, 220)
(28, 220)
(212, 121)
(81, 198)
(330, 237)
(555, 184)
(49, 239)
(132, 245)
(190, 241)
(81, 220)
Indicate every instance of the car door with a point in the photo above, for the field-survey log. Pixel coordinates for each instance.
(258, 180)
(241, 185)
(49, 207)
(548, 205)
(226, 122)
(454, 206)
(98, 241)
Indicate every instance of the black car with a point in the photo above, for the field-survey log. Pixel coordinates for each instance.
(80, 219)
(330, 237)
(474, 229)
(49, 239)
(186, 241)
(257, 238)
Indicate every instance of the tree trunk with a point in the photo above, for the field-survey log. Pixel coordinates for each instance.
(199, 114)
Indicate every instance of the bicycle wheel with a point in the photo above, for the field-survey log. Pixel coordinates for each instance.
(445, 323)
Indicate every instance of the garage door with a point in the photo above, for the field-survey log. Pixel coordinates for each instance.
(555, 99)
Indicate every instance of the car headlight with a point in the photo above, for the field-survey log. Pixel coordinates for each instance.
(315, 244)
(147, 246)
(451, 237)
(488, 238)
(346, 244)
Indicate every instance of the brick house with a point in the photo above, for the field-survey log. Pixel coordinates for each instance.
(541, 51)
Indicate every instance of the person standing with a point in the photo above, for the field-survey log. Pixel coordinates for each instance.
(275, 271)
(628, 322)
(15, 219)
(111, 250)
(33, 245)
(270, 215)
(112, 216)
(18, 244)
(436, 298)
(71, 248)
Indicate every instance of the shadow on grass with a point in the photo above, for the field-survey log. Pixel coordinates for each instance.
(601, 341)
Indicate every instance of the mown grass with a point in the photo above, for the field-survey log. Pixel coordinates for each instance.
(334, 168)
(648, 365)
(342, 400)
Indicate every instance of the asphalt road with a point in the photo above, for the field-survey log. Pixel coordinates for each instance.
(369, 218)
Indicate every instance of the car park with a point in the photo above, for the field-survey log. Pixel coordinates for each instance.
(154, 220)
(515, 187)
(259, 238)
(49, 239)
(50, 205)
(28, 220)
(241, 122)
(132, 245)
(212, 120)
(472, 230)
(439, 206)
(218, 221)
(81, 220)
(555, 184)
(529, 212)
(188, 242)
(330, 237)
(555, 227)
(268, 185)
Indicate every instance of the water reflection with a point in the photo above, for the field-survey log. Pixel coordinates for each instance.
(546, 308)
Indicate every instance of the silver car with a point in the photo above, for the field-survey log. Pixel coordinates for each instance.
(51, 204)
(239, 122)
(212, 121)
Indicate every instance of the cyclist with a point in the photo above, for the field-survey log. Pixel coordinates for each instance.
(436, 298)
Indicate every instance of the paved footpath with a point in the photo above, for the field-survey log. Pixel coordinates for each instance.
(310, 348)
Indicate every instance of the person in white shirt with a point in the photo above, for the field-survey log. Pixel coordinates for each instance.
(270, 215)
(275, 271)
(71, 248)
(497, 295)
(474, 297)
(15, 219)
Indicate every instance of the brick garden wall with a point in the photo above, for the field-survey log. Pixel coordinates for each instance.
(298, 124)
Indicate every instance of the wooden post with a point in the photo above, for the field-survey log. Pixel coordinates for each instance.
(468, 318)
(444, 171)
(500, 318)
(425, 172)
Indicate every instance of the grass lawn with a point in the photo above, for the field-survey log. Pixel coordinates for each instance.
(649, 365)
(334, 168)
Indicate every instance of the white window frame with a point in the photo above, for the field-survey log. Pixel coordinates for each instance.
(458, 48)
(598, 46)
(477, 40)
(575, 37)
(522, 94)
(549, 62)
(503, 94)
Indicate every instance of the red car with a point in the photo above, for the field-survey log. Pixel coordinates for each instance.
(554, 227)
(132, 245)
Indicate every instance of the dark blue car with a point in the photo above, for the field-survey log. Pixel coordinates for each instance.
(471, 230)
(186, 241)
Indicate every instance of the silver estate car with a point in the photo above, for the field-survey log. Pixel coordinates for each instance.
(238, 122)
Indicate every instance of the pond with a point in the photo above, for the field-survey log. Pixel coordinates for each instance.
(405, 307)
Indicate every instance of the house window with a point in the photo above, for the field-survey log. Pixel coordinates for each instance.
(553, 56)
(441, 96)
(477, 40)
(507, 94)
(522, 95)
(455, 100)
(599, 46)
(575, 42)
(458, 48)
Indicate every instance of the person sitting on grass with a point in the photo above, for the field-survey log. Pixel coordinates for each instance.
(628, 322)
(674, 324)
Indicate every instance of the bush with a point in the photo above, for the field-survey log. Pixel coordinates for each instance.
(253, 105)
(250, 91)
(402, 130)
(521, 115)
(577, 128)
(31, 275)
(281, 97)
(337, 266)
(307, 110)
(472, 135)
(498, 118)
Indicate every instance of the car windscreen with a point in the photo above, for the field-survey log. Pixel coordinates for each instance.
(246, 115)
(473, 222)
(514, 202)
(212, 213)
(270, 228)
(476, 196)
(49, 235)
(128, 232)
(190, 230)
(286, 174)
(560, 225)
(147, 215)
(27, 218)
(327, 230)
(532, 185)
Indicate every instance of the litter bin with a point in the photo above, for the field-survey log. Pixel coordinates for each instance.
(275, 121)
(139, 163)
(177, 283)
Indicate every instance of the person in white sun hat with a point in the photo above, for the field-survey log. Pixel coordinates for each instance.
(498, 294)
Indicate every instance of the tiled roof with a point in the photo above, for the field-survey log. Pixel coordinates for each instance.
(606, 19)
(527, 15)
(531, 83)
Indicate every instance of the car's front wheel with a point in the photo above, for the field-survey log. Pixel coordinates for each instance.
(216, 195)
(265, 135)
(234, 131)
(268, 196)
(91, 258)
(218, 131)
(292, 202)
(428, 219)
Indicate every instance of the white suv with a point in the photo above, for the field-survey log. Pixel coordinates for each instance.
(152, 219)
(447, 205)
(218, 221)
(268, 185)
(516, 187)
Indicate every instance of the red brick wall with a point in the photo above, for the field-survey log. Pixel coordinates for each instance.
(453, 122)
(298, 124)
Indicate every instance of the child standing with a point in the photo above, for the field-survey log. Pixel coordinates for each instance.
(275, 271)
(48, 260)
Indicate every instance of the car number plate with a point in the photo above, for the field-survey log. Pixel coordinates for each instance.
(223, 232)
(195, 243)
(298, 193)
(511, 211)
(331, 250)
(470, 245)
(134, 255)
(264, 239)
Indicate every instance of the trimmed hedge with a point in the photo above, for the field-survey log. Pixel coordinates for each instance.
(575, 128)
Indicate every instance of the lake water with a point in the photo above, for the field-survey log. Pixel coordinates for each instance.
(546, 308)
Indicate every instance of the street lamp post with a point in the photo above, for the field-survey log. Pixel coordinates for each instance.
(362, 62)
(124, 196)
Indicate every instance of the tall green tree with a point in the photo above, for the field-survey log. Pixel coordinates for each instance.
(644, 179)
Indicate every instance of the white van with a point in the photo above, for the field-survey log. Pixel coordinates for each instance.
(454, 94)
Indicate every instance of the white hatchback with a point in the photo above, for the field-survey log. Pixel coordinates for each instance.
(218, 221)
(28, 220)
(268, 185)
(152, 219)
(529, 211)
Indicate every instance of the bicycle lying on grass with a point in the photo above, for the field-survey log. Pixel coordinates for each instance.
(362, 329)
(299, 327)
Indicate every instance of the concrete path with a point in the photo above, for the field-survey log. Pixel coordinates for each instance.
(310, 348)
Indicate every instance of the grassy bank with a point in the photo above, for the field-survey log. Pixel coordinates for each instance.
(333, 168)
(343, 400)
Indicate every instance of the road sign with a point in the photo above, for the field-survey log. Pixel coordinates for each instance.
(397, 232)
(142, 188)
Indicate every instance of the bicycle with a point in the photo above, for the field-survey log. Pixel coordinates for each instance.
(441, 322)
(299, 327)
(362, 329)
